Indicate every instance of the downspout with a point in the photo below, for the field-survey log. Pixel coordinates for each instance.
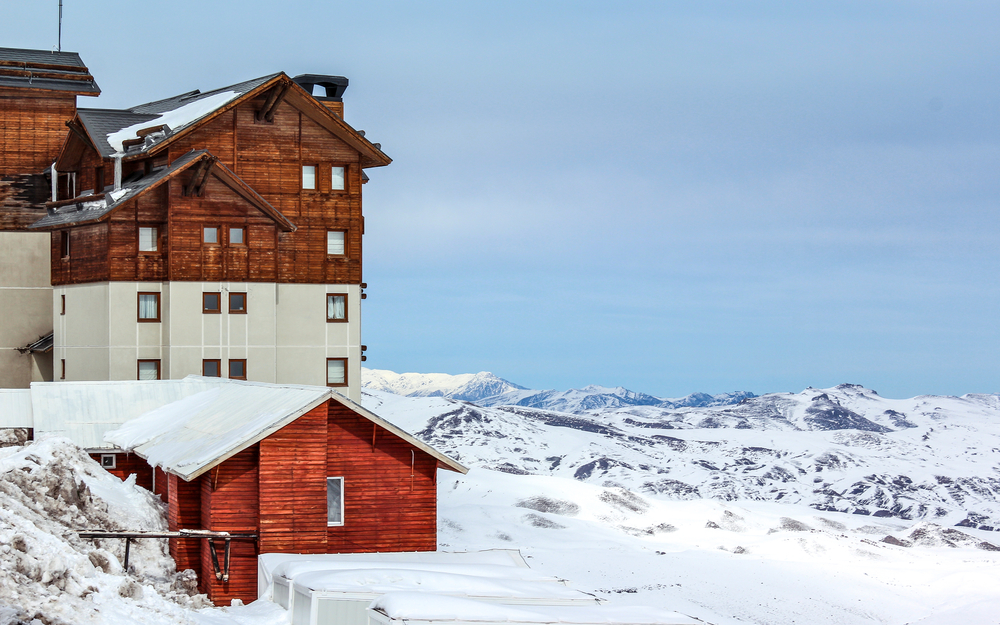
(55, 182)
(118, 172)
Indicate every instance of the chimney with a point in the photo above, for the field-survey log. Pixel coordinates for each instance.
(333, 86)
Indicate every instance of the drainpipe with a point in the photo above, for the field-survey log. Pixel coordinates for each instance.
(118, 173)
(55, 182)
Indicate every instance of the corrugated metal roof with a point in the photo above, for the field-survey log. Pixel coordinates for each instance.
(84, 411)
(15, 408)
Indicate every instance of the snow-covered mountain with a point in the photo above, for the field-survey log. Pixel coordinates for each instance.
(841, 449)
(486, 389)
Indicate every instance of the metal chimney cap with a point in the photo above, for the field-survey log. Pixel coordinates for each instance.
(334, 85)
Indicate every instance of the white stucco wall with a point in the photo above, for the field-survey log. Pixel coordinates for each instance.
(284, 336)
(25, 298)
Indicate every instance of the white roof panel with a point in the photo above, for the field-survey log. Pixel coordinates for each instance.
(15, 408)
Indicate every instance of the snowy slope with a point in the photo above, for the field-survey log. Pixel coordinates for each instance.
(841, 449)
(486, 389)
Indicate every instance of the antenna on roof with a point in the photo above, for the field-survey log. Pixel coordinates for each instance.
(60, 25)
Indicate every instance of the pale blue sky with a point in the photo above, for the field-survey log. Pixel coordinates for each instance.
(668, 196)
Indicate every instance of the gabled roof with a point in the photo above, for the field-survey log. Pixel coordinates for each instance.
(181, 114)
(94, 208)
(193, 435)
(45, 70)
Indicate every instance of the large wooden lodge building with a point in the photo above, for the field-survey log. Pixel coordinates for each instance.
(215, 233)
(190, 269)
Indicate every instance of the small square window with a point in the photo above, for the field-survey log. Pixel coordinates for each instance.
(337, 179)
(336, 307)
(308, 176)
(336, 372)
(211, 368)
(236, 236)
(237, 303)
(238, 369)
(149, 307)
(210, 234)
(108, 461)
(149, 369)
(147, 239)
(211, 303)
(334, 501)
(335, 243)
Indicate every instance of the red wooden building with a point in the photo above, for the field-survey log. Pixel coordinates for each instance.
(304, 469)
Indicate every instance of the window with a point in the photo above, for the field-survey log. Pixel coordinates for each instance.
(62, 300)
(236, 236)
(210, 234)
(62, 374)
(334, 501)
(211, 368)
(149, 307)
(64, 244)
(336, 307)
(211, 303)
(337, 179)
(336, 372)
(147, 239)
(308, 176)
(108, 461)
(149, 369)
(237, 303)
(238, 369)
(99, 180)
(335, 245)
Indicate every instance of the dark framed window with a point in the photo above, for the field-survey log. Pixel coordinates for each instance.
(237, 303)
(334, 501)
(62, 300)
(338, 178)
(108, 461)
(148, 369)
(64, 244)
(211, 303)
(149, 307)
(336, 307)
(309, 177)
(211, 368)
(336, 243)
(237, 236)
(210, 235)
(62, 366)
(148, 239)
(238, 369)
(336, 372)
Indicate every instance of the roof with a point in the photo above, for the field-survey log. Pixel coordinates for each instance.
(84, 411)
(108, 129)
(94, 208)
(191, 436)
(15, 408)
(46, 70)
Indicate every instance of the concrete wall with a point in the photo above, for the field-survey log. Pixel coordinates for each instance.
(25, 306)
(284, 335)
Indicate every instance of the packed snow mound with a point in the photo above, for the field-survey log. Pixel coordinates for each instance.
(842, 449)
(50, 490)
(486, 389)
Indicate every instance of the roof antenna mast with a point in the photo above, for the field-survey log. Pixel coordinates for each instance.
(60, 25)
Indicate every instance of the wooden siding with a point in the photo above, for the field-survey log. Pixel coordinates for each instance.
(386, 508)
(88, 255)
(230, 503)
(293, 486)
(32, 128)
(184, 512)
(127, 464)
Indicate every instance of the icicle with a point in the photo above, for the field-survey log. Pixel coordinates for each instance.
(55, 183)
(118, 173)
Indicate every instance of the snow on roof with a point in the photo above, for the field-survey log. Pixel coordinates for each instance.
(175, 119)
(374, 582)
(192, 435)
(84, 411)
(428, 607)
(295, 569)
(15, 408)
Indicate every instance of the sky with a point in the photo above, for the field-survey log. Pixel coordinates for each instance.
(666, 196)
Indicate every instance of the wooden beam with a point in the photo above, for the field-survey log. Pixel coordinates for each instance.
(204, 176)
(271, 97)
(193, 182)
(79, 133)
(269, 114)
